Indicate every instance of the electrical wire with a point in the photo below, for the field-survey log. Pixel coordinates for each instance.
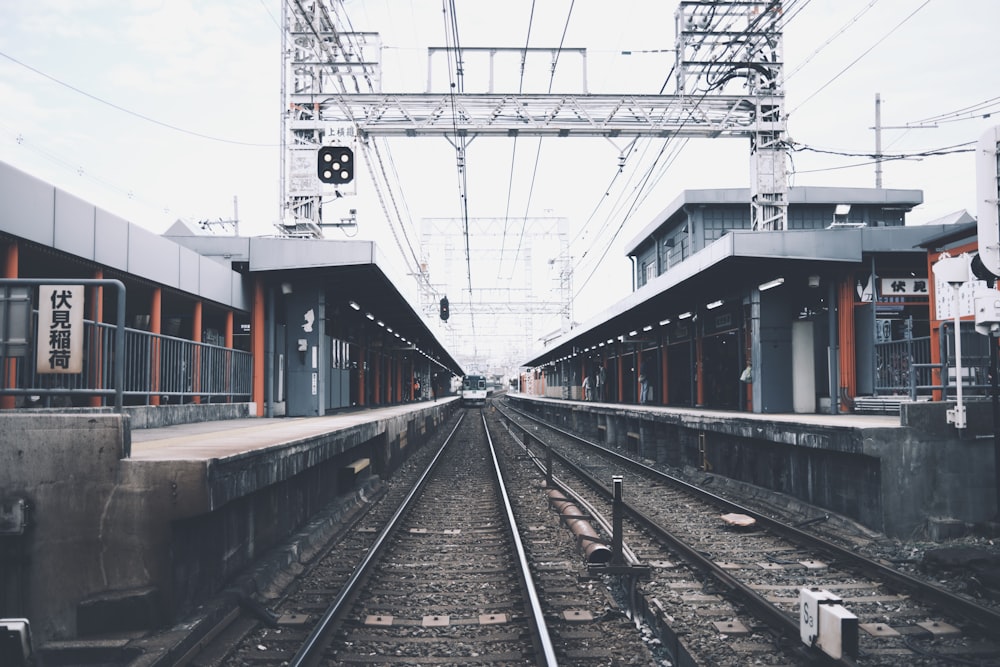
(844, 28)
(130, 112)
(982, 109)
(860, 57)
(648, 182)
(538, 151)
(513, 151)
(456, 78)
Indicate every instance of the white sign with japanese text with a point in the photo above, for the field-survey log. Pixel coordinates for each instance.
(59, 342)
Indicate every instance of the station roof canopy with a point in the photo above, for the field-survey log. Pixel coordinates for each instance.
(891, 198)
(741, 257)
(355, 272)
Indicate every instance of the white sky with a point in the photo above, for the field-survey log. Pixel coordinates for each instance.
(200, 80)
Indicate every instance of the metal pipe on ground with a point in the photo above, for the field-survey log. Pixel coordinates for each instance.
(594, 548)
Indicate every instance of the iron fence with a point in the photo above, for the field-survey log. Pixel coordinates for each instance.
(153, 365)
(899, 365)
(903, 367)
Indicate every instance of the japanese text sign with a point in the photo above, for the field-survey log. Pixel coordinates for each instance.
(60, 329)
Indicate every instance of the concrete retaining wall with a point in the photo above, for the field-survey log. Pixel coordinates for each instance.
(902, 480)
(119, 544)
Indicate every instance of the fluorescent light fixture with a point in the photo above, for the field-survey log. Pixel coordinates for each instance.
(665, 322)
(685, 315)
(648, 327)
(380, 323)
(370, 316)
(714, 304)
(389, 329)
(611, 340)
(354, 305)
(770, 283)
(634, 332)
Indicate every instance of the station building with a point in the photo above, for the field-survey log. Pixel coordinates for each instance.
(294, 326)
(821, 317)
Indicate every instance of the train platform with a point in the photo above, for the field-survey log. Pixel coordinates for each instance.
(127, 529)
(901, 475)
(233, 437)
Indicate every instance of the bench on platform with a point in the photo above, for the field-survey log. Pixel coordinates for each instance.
(351, 473)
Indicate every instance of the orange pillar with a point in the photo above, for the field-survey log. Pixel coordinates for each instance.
(621, 376)
(399, 379)
(154, 356)
(196, 361)
(845, 332)
(10, 368)
(257, 345)
(96, 350)
(229, 355)
(361, 374)
(699, 377)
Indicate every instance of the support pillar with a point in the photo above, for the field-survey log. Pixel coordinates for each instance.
(257, 345)
(228, 333)
(196, 316)
(11, 258)
(96, 314)
(155, 327)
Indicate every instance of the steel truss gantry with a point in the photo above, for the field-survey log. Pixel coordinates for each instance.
(331, 83)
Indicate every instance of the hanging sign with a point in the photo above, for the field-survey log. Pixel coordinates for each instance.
(59, 341)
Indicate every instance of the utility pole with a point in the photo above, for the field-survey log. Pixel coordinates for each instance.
(878, 137)
(878, 141)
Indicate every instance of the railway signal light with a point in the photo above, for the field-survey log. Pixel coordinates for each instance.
(335, 164)
(445, 313)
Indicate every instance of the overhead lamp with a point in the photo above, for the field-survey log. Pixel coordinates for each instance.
(714, 304)
(665, 322)
(648, 327)
(634, 332)
(611, 340)
(354, 305)
(389, 329)
(770, 283)
(370, 316)
(685, 315)
(380, 323)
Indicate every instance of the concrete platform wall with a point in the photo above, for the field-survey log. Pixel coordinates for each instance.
(116, 544)
(904, 480)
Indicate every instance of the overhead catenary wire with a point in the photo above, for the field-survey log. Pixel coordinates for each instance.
(859, 58)
(456, 77)
(538, 151)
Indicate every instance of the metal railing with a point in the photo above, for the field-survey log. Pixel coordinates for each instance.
(897, 364)
(176, 368)
(904, 367)
(152, 365)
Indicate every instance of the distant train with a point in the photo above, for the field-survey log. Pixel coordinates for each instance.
(475, 389)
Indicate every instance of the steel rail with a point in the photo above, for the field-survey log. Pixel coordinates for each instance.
(310, 653)
(540, 632)
(986, 618)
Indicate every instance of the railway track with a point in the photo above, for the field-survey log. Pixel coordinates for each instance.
(447, 582)
(731, 592)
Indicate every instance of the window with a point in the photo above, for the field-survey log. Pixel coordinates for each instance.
(650, 271)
